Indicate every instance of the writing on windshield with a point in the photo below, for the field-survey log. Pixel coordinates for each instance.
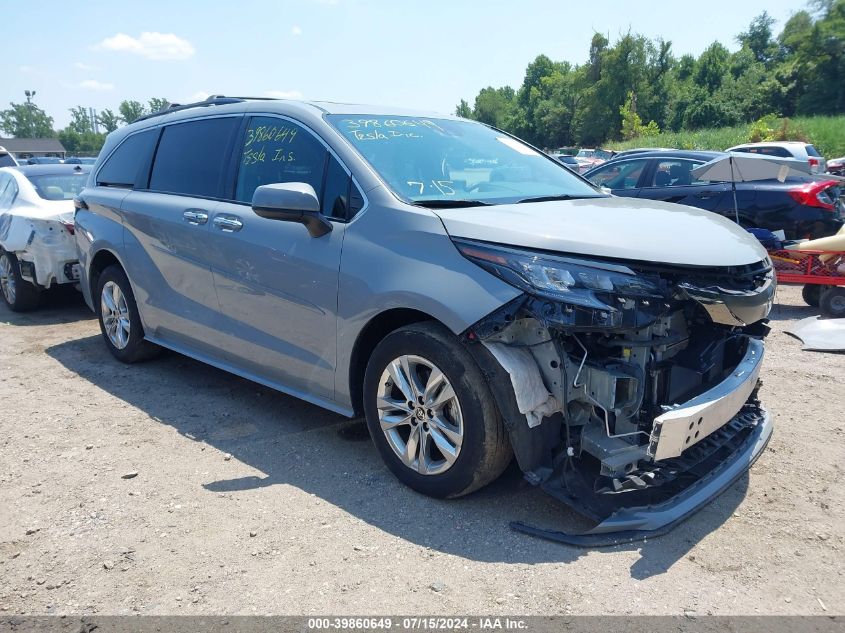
(423, 159)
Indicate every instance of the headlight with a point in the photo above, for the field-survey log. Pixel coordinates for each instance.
(606, 289)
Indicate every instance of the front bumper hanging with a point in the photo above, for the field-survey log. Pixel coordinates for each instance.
(631, 524)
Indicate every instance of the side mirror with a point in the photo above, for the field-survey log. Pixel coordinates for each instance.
(291, 202)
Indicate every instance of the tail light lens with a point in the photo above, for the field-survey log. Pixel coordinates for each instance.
(814, 162)
(815, 194)
(70, 227)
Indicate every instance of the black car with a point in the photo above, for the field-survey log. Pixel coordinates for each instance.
(801, 208)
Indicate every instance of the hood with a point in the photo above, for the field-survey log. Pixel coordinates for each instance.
(618, 228)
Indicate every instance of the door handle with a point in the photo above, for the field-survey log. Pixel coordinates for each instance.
(195, 216)
(704, 195)
(228, 224)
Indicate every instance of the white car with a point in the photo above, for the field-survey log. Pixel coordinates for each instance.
(804, 152)
(37, 247)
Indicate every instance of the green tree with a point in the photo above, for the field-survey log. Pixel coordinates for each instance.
(758, 38)
(130, 111)
(463, 110)
(80, 121)
(81, 143)
(712, 67)
(109, 120)
(494, 106)
(158, 103)
(26, 120)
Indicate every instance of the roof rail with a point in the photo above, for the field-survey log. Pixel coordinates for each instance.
(213, 100)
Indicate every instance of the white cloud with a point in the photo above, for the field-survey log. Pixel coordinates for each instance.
(93, 84)
(295, 30)
(283, 94)
(83, 66)
(153, 45)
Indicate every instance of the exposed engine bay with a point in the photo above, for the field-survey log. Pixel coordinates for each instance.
(634, 398)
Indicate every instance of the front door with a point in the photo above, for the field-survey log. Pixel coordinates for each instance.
(277, 285)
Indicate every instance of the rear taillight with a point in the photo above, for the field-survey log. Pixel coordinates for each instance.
(70, 227)
(815, 194)
(814, 162)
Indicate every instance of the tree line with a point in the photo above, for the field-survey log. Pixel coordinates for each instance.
(638, 87)
(82, 135)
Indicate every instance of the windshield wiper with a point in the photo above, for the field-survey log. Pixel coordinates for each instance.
(562, 196)
(440, 203)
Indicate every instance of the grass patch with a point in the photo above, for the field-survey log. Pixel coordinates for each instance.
(827, 133)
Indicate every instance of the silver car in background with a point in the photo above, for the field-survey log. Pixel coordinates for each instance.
(466, 293)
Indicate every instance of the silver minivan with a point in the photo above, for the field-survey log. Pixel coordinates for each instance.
(471, 297)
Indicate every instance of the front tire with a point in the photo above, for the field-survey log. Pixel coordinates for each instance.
(120, 323)
(19, 294)
(431, 414)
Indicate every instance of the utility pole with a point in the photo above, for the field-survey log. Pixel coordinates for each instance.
(92, 114)
(31, 119)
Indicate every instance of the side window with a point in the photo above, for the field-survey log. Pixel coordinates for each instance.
(121, 168)
(767, 151)
(277, 150)
(675, 173)
(621, 175)
(192, 157)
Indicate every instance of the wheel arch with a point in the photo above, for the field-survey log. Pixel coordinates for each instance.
(99, 262)
(370, 335)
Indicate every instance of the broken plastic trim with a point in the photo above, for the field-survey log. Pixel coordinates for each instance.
(628, 525)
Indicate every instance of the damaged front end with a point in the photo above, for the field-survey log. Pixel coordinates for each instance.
(629, 389)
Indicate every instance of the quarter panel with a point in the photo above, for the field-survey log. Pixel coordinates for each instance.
(99, 227)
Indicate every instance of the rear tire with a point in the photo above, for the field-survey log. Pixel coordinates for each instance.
(811, 293)
(19, 294)
(832, 302)
(423, 390)
(120, 322)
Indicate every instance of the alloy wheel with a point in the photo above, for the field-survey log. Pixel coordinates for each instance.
(115, 313)
(7, 279)
(420, 415)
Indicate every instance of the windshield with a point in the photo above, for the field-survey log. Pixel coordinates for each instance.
(455, 162)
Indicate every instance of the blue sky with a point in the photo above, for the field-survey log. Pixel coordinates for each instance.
(426, 54)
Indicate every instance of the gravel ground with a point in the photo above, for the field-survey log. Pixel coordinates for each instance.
(174, 488)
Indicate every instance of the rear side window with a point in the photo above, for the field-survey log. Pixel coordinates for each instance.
(122, 167)
(276, 151)
(780, 152)
(811, 151)
(7, 161)
(192, 157)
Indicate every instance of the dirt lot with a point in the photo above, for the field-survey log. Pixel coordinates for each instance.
(248, 501)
